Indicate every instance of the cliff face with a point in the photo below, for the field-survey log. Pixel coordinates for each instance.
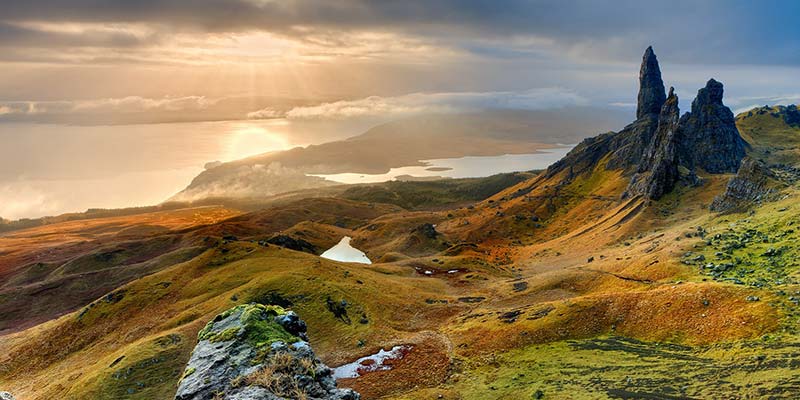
(256, 352)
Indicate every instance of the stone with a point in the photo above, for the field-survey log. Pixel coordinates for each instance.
(711, 140)
(754, 182)
(256, 352)
(6, 396)
(626, 147)
(293, 324)
(428, 230)
(658, 172)
(661, 148)
(292, 243)
(651, 88)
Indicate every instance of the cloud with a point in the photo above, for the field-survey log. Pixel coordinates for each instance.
(265, 113)
(21, 199)
(733, 31)
(430, 103)
(742, 104)
(103, 111)
(140, 104)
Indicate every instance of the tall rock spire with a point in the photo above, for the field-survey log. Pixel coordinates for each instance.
(651, 87)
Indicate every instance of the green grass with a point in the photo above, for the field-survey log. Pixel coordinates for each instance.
(770, 137)
(615, 367)
(423, 195)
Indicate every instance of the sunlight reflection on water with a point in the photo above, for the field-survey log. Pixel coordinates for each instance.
(464, 167)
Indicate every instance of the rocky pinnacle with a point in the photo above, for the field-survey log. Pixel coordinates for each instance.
(712, 141)
(658, 171)
(651, 87)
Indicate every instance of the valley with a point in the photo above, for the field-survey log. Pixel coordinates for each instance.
(606, 275)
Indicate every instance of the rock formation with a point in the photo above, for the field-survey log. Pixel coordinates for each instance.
(791, 115)
(661, 148)
(651, 88)
(711, 140)
(753, 183)
(626, 147)
(658, 172)
(256, 352)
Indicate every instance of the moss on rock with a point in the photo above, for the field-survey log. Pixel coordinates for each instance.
(257, 321)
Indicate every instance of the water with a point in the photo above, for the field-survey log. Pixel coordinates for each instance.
(50, 169)
(464, 167)
(343, 251)
(371, 363)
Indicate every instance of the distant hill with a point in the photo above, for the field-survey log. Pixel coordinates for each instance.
(773, 132)
(402, 143)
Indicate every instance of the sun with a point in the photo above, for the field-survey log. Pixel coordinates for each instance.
(248, 139)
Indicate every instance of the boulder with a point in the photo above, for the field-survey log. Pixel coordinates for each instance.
(257, 352)
(6, 396)
(753, 183)
(292, 243)
(427, 230)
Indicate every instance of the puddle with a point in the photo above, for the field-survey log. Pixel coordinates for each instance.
(432, 272)
(372, 363)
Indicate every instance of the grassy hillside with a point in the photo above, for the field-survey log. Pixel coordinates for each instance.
(552, 287)
(417, 195)
(769, 134)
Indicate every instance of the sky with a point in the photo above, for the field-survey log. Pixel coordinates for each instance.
(112, 103)
(121, 61)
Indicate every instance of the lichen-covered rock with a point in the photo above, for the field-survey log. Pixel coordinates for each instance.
(255, 352)
(6, 396)
(753, 183)
(711, 140)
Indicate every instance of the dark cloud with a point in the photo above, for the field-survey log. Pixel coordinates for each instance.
(690, 31)
(12, 35)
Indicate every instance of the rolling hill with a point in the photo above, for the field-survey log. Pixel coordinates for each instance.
(604, 276)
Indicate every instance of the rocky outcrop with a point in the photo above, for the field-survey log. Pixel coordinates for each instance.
(257, 352)
(711, 140)
(790, 115)
(651, 88)
(292, 243)
(753, 184)
(658, 172)
(660, 148)
(623, 149)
